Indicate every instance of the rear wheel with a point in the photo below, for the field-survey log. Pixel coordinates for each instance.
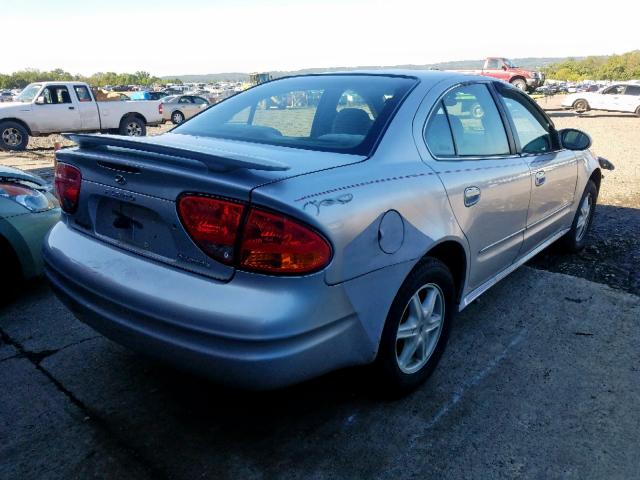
(576, 238)
(132, 126)
(520, 84)
(638, 111)
(581, 106)
(13, 136)
(417, 328)
(177, 117)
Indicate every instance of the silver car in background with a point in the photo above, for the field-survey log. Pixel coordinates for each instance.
(178, 108)
(316, 222)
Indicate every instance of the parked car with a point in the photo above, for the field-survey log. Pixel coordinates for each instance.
(54, 107)
(262, 247)
(6, 96)
(504, 69)
(147, 95)
(177, 108)
(619, 97)
(27, 211)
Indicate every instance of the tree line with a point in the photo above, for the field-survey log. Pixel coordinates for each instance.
(613, 67)
(23, 78)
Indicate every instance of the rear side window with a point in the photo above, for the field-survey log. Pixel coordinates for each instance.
(475, 122)
(337, 113)
(633, 90)
(438, 135)
(82, 93)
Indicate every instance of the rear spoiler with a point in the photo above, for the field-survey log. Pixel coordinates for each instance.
(214, 159)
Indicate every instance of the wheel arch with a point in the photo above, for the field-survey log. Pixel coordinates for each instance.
(453, 254)
(21, 122)
(596, 177)
(133, 114)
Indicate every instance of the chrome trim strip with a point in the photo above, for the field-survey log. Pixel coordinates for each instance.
(514, 266)
(511, 235)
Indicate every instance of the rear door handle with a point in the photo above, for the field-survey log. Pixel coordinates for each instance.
(471, 196)
(72, 108)
(540, 178)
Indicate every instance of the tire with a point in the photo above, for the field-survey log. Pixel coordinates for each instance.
(177, 117)
(399, 371)
(581, 106)
(576, 238)
(132, 126)
(520, 84)
(13, 136)
(638, 111)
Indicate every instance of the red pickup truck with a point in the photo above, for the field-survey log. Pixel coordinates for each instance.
(505, 69)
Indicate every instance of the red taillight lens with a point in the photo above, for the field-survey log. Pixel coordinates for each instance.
(212, 223)
(274, 243)
(67, 183)
(160, 108)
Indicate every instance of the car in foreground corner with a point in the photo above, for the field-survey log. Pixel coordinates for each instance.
(620, 97)
(262, 247)
(27, 211)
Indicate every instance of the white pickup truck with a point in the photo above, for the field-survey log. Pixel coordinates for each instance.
(53, 107)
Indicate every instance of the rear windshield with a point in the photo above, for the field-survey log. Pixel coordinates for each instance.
(336, 113)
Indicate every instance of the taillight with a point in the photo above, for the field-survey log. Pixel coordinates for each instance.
(67, 183)
(212, 224)
(269, 242)
(274, 243)
(160, 108)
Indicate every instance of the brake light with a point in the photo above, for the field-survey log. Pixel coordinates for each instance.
(160, 108)
(212, 224)
(274, 243)
(268, 242)
(67, 183)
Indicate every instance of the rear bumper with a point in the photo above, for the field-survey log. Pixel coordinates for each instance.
(254, 332)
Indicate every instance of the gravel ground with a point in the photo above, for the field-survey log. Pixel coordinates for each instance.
(613, 254)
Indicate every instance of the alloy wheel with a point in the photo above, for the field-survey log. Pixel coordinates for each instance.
(420, 328)
(134, 129)
(583, 217)
(11, 137)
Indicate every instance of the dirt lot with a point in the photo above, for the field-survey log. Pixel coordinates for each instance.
(613, 256)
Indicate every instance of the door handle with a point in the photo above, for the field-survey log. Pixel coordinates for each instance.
(540, 178)
(72, 108)
(471, 196)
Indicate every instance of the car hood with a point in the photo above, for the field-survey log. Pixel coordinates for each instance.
(13, 106)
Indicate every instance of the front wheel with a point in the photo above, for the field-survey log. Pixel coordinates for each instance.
(520, 84)
(576, 238)
(581, 106)
(13, 136)
(417, 328)
(132, 126)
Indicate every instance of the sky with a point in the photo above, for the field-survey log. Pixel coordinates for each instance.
(197, 36)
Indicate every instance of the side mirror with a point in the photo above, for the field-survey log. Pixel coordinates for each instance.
(504, 67)
(573, 139)
(40, 100)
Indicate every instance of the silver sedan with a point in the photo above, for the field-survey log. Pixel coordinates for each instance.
(316, 222)
(178, 108)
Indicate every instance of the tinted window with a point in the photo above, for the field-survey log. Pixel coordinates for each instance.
(633, 90)
(531, 128)
(341, 113)
(200, 101)
(475, 122)
(82, 93)
(615, 90)
(438, 135)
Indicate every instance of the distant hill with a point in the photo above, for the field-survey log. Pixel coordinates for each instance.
(529, 62)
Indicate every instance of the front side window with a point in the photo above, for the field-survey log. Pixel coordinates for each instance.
(615, 90)
(531, 128)
(339, 113)
(56, 94)
(475, 122)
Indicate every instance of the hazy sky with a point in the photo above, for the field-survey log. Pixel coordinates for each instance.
(197, 36)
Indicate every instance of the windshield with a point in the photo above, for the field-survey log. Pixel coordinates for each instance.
(29, 93)
(510, 63)
(338, 113)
